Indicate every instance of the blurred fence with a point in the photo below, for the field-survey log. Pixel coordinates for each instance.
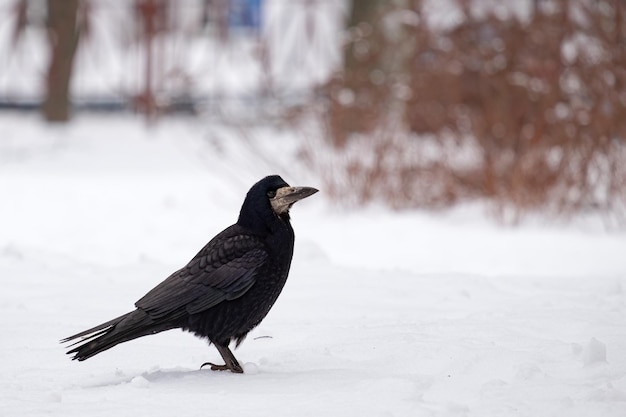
(173, 55)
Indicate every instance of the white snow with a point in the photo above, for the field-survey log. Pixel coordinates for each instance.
(594, 352)
(384, 314)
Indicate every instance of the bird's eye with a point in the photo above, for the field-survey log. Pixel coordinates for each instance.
(271, 194)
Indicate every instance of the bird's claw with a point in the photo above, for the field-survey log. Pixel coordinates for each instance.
(215, 367)
(224, 367)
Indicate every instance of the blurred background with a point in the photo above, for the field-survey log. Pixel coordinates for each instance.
(405, 103)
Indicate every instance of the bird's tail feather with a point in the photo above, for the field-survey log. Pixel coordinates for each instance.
(106, 335)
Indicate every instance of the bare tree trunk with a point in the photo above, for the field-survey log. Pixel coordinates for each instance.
(355, 103)
(362, 13)
(63, 36)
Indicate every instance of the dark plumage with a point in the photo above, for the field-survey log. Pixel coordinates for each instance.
(225, 290)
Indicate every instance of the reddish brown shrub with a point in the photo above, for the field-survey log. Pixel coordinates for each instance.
(529, 112)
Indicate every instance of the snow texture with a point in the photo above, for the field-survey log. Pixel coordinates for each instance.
(384, 314)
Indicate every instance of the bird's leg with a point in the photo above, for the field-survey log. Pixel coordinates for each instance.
(230, 362)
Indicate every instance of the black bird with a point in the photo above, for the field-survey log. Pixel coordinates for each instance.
(225, 290)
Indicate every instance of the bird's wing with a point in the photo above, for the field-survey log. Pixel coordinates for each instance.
(223, 270)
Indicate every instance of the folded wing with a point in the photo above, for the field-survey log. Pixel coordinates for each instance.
(223, 270)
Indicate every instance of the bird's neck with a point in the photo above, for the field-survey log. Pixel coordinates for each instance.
(265, 222)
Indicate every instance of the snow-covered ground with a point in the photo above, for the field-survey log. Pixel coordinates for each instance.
(384, 314)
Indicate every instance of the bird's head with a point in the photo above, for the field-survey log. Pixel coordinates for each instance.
(271, 196)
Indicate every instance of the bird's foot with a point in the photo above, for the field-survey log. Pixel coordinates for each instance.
(235, 368)
(230, 362)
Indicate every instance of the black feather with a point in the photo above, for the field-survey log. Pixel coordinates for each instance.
(223, 292)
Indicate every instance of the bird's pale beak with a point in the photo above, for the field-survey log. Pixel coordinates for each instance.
(287, 196)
